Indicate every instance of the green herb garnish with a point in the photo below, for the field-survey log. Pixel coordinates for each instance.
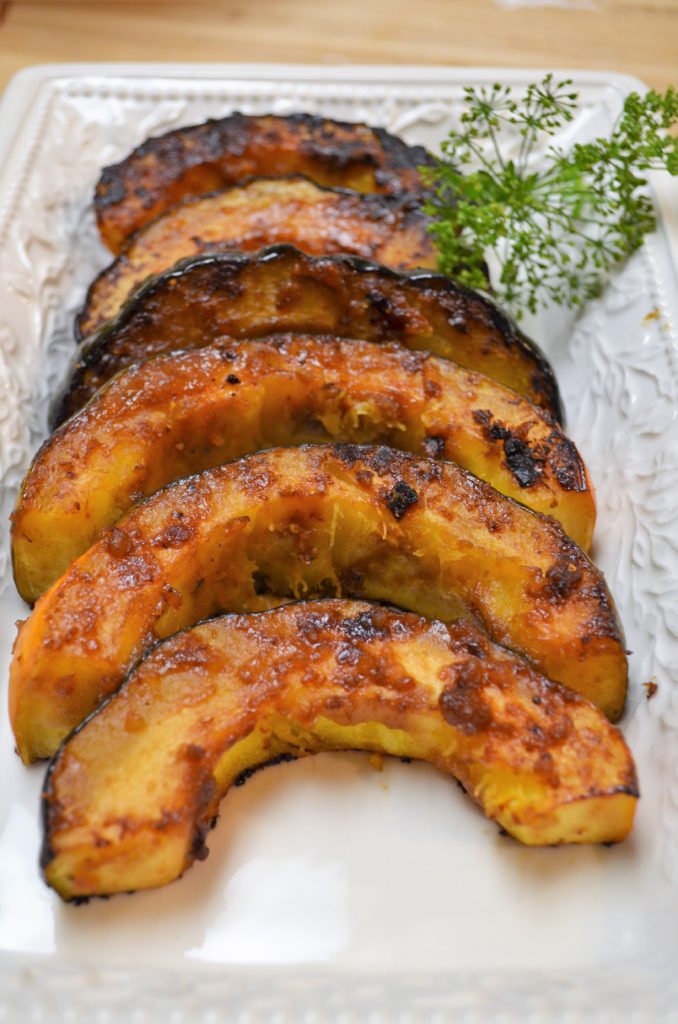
(555, 225)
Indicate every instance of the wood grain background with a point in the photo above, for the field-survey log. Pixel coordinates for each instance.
(639, 37)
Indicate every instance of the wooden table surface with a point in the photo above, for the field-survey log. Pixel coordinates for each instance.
(639, 37)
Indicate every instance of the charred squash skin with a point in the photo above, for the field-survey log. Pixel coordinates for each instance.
(389, 229)
(318, 520)
(129, 798)
(178, 414)
(201, 158)
(281, 289)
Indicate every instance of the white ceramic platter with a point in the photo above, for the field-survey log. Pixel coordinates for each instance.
(333, 892)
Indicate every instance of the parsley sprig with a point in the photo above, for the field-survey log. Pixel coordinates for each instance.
(555, 221)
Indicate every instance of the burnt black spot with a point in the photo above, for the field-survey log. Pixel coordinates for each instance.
(362, 627)
(562, 579)
(347, 453)
(378, 301)
(232, 379)
(336, 151)
(566, 463)
(521, 461)
(111, 188)
(482, 416)
(383, 459)
(474, 649)
(385, 311)
(400, 498)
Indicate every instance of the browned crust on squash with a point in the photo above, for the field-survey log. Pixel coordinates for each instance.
(187, 411)
(305, 675)
(388, 229)
(282, 289)
(200, 158)
(319, 520)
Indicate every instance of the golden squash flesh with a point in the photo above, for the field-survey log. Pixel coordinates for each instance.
(282, 289)
(318, 520)
(204, 157)
(130, 797)
(177, 414)
(389, 229)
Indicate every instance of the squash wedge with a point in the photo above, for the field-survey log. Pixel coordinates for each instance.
(389, 229)
(282, 289)
(130, 797)
(326, 520)
(178, 414)
(204, 157)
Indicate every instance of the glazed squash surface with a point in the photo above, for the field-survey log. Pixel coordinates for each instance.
(389, 229)
(318, 520)
(129, 799)
(177, 414)
(201, 158)
(282, 289)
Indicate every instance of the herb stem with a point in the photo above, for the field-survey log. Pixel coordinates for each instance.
(557, 229)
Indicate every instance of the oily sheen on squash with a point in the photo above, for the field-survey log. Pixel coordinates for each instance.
(317, 520)
(129, 798)
(177, 414)
(282, 289)
(389, 229)
(201, 158)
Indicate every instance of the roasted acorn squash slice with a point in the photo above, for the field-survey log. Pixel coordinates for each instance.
(389, 229)
(318, 520)
(282, 289)
(177, 414)
(130, 797)
(198, 159)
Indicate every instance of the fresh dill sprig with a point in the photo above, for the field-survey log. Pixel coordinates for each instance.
(556, 223)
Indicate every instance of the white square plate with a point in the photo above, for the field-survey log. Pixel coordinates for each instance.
(333, 892)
